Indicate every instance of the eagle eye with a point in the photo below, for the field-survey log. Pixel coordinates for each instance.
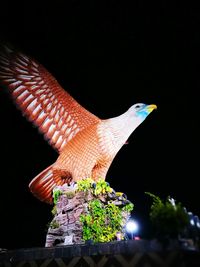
(137, 106)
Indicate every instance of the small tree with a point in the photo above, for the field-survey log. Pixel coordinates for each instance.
(168, 218)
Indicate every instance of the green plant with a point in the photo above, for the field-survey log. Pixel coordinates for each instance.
(54, 210)
(128, 207)
(56, 195)
(54, 224)
(101, 187)
(96, 188)
(168, 219)
(85, 184)
(102, 222)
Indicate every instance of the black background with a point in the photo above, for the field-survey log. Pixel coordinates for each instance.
(108, 56)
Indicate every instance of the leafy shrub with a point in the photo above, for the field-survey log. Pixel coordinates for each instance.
(100, 187)
(102, 221)
(168, 219)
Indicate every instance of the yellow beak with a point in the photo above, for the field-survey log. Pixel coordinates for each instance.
(151, 107)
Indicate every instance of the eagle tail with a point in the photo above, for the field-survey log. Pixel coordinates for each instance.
(43, 184)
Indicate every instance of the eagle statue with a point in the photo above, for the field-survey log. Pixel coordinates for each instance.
(85, 143)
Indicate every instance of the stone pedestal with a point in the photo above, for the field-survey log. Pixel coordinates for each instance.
(65, 227)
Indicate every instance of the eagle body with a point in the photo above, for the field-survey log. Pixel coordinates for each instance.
(85, 143)
(93, 150)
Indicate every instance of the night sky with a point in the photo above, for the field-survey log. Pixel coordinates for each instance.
(108, 56)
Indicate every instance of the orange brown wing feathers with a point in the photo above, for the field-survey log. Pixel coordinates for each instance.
(41, 99)
(43, 184)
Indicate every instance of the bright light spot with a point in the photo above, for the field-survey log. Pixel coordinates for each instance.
(132, 226)
(192, 222)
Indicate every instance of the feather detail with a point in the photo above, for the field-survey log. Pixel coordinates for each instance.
(41, 99)
(87, 145)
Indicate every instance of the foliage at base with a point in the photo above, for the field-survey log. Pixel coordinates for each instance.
(101, 223)
(103, 219)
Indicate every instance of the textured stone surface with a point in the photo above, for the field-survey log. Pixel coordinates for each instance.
(65, 227)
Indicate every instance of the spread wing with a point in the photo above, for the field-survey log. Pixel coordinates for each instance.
(41, 99)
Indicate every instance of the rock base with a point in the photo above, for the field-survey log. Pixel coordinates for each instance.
(66, 228)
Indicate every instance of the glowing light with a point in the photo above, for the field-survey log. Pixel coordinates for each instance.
(192, 222)
(132, 227)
